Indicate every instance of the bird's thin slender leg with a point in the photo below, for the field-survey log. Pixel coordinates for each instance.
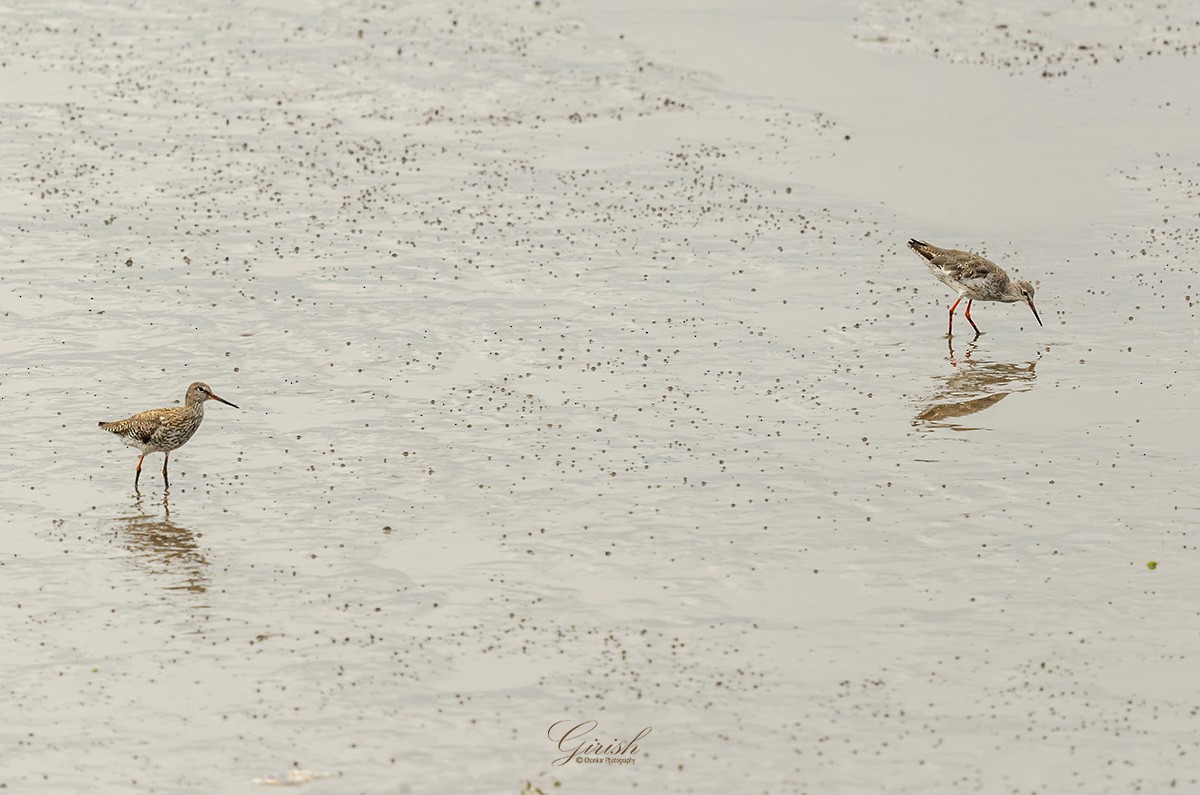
(950, 332)
(139, 472)
(166, 458)
(969, 320)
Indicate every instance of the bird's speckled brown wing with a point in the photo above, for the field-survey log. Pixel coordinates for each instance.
(961, 266)
(140, 429)
(967, 274)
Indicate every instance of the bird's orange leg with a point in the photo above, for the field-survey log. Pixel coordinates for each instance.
(166, 458)
(950, 332)
(969, 320)
(139, 472)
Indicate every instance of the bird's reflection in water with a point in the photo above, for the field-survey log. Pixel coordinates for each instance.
(973, 386)
(162, 547)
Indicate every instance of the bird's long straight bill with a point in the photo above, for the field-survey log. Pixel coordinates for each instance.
(1035, 314)
(227, 403)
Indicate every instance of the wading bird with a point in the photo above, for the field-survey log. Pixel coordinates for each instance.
(164, 430)
(973, 277)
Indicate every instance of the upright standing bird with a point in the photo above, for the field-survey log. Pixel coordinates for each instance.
(164, 430)
(974, 277)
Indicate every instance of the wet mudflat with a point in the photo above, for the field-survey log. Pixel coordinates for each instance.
(585, 376)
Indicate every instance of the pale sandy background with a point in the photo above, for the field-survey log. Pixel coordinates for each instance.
(584, 374)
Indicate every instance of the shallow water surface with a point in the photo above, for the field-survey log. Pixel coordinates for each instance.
(585, 376)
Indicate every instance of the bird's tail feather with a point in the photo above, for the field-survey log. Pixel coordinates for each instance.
(922, 248)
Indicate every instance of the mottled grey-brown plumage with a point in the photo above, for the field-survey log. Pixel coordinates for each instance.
(164, 430)
(973, 277)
